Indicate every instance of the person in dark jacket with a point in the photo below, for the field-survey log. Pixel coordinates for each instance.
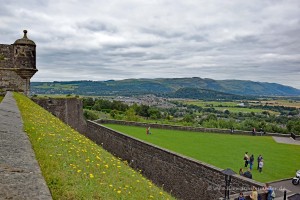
(241, 197)
(248, 174)
(259, 158)
(251, 161)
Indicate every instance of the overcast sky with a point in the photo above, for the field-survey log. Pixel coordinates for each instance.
(256, 40)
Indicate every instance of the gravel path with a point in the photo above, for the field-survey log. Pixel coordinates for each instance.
(286, 140)
(20, 174)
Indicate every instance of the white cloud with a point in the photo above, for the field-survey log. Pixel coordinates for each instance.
(100, 40)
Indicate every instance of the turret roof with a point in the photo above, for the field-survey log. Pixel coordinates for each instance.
(25, 40)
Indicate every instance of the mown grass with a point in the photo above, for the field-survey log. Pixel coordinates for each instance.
(224, 150)
(76, 168)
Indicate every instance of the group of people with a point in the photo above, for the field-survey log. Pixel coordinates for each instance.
(254, 194)
(249, 160)
(261, 131)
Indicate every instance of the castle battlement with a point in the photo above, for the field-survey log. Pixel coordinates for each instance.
(17, 65)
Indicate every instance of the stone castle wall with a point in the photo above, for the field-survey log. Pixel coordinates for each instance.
(11, 81)
(69, 110)
(20, 173)
(6, 55)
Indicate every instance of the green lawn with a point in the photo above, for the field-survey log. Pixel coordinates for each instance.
(225, 151)
(1, 98)
(74, 167)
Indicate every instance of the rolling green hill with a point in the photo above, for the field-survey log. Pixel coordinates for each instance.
(168, 87)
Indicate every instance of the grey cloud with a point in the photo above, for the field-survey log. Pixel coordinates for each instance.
(164, 33)
(96, 25)
(99, 40)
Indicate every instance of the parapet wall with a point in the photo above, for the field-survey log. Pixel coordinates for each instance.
(183, 177)
(188, 128)
(69, 110)
(20, 173)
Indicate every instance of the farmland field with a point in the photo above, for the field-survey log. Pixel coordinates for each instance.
(232, 106)
(285, 103)
(224, 150)
(240, 109)
(210, 103)
(58, 86)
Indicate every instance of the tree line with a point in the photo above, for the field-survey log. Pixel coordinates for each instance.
(193, 115)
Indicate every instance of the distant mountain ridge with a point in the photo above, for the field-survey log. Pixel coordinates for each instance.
(169, 87)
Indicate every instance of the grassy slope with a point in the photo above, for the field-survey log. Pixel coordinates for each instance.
(76, 168)
(1, 98)
(225, 151)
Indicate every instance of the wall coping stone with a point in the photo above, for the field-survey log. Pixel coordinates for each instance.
(20, 174)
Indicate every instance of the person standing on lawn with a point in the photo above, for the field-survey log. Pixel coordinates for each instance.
(253, 131)
(251, 161)
(246, 158)
(259, 158)
(261, 165)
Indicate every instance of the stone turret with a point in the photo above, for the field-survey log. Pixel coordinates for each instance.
(17, 65)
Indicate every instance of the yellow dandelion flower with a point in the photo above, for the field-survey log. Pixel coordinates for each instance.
(78, 171)
(110, 185)
(91, 176)
(119, 191)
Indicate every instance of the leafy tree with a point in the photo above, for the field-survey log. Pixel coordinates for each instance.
(88, 102)
(154, 113)
(188, 118)
(130, 115)
(294, 126)
(143, 110)
(90, 115)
